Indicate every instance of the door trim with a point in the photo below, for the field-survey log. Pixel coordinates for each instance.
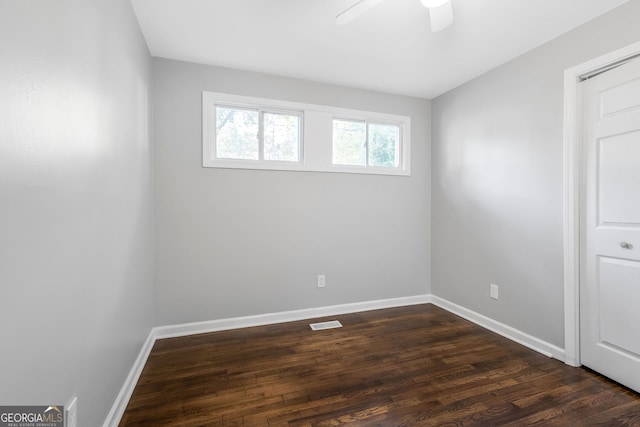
(572, 183)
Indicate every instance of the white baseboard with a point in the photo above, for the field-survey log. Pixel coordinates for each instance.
(506, 331)
(172, 331)
(119, 406)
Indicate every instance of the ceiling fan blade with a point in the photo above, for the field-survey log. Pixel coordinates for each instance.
(356, 10)
(441, 17)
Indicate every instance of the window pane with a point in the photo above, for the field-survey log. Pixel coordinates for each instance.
(281, 137)
(349, 143)
(237, 134)
(384, 141)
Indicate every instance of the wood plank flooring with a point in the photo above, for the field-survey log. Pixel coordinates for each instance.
(407, 366)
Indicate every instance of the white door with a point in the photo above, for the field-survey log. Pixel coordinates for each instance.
(610, 234)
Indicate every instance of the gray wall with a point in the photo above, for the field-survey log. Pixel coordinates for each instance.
(239, 242)
(76, 292)
(497, 180)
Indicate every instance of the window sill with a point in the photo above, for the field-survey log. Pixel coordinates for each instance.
(302, 167)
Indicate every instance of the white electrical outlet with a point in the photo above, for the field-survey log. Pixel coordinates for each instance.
(493, 291)
(71, 413)
(321, 281)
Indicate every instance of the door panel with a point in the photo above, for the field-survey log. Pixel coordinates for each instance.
(618, 172)
(610, 226)
(619, 283)
(617, 98)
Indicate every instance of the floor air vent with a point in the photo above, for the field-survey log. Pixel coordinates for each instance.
(325, 325)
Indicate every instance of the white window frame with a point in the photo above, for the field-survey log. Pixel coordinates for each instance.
(316, 135)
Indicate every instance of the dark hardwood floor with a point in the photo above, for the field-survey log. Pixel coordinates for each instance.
(408, 366)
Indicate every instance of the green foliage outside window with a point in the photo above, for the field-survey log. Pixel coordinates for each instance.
(383, 145)
(349, 142)
(281, 136)
(357, 143)
(237, 134)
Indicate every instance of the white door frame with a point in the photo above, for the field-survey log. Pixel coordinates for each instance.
(572, 184)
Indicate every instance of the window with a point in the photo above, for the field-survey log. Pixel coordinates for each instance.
(253, 134)
(349, 143)
(358, 143)
(383, 149)
(241, 132)
(281, 136)
(237, 133)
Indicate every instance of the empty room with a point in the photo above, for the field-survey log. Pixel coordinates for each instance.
(319, 212)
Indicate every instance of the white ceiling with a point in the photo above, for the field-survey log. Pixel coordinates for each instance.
(390, 48)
